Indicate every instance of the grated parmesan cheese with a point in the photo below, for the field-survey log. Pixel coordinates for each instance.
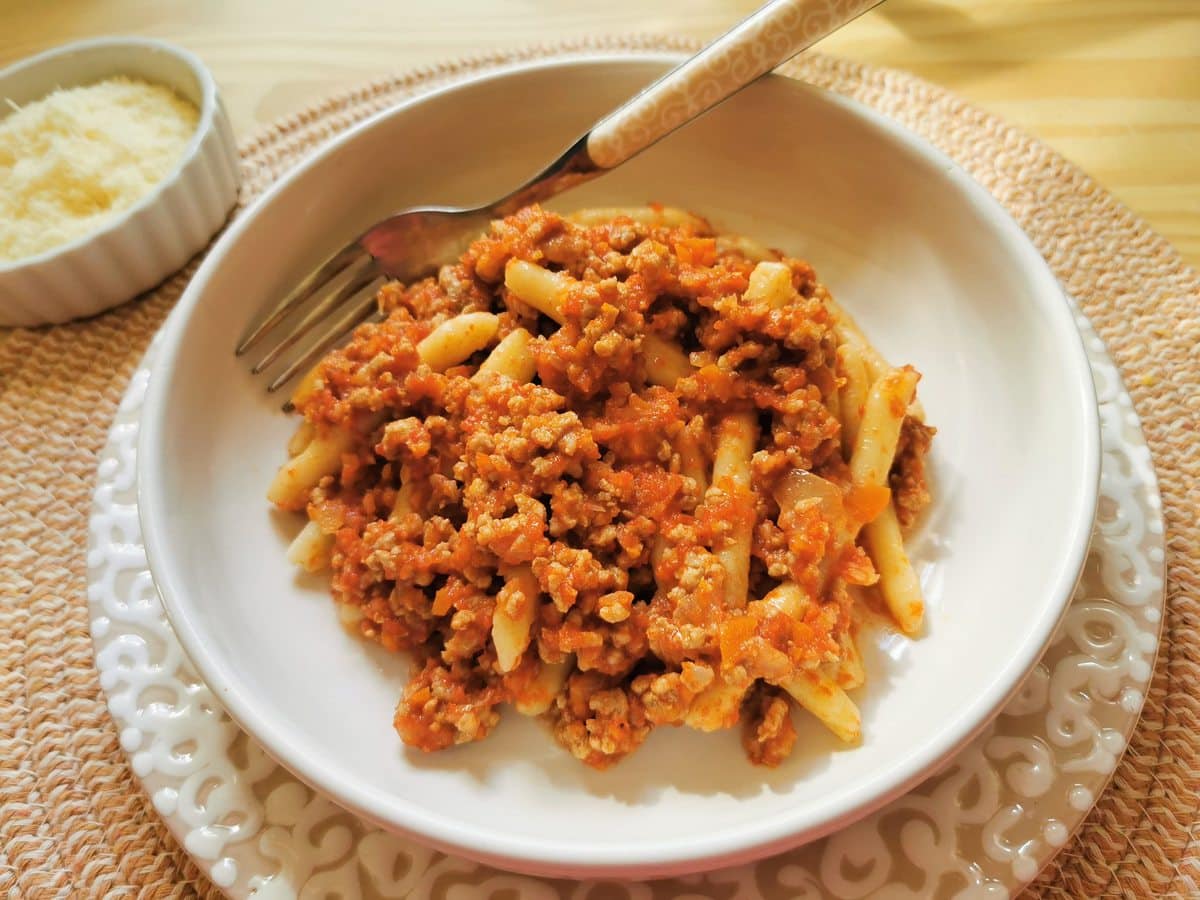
(71, 161)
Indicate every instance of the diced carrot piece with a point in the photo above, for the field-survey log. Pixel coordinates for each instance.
(696, 251)
(735, 632)
(865, 502)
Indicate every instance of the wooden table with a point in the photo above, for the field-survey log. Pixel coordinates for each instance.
(1112, 84)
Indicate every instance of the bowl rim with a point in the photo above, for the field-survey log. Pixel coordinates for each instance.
(204, 123)
(670, 856)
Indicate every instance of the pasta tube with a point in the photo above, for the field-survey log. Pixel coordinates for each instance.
(456, 339)
(897, 581)
(731, 477)
(516, 608)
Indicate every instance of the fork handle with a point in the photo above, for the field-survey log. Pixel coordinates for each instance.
(753, 47)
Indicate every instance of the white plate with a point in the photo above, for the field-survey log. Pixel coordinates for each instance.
(981, 828)
(938, 275)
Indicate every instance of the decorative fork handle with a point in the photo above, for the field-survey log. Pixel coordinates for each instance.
(756, 45)
(753, 47)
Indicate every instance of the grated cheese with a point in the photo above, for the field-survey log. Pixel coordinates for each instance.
(71, 161)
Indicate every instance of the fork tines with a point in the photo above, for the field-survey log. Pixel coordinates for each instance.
(349, 275)
(365, 310)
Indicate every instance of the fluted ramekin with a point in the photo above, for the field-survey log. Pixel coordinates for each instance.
(144, 244)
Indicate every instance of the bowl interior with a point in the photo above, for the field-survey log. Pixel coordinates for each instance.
(936, 275)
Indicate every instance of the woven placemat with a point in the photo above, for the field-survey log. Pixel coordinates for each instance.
(74, 821)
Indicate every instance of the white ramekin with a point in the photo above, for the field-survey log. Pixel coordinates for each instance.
(147, 242)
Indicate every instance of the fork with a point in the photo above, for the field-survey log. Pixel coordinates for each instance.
(413, 243)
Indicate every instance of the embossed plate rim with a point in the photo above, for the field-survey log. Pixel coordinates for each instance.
(265, 854)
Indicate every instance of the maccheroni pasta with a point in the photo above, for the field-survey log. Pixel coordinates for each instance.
(617, 471)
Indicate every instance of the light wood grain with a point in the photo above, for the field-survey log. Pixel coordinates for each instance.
(1112, 84)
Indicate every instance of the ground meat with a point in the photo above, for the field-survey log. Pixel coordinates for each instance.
(446, 705)
(668, 696)
(910, 491)
(597, 720)
(768, 734)
(592, 480)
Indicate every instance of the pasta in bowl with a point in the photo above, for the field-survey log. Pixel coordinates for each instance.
(929, 267)
(616, 470)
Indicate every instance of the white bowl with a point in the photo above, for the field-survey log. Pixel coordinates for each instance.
(937, 274)
(142, 245)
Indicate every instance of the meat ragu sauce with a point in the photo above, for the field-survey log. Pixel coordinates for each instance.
(578, 477)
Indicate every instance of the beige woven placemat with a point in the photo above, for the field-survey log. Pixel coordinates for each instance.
(74, 821)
